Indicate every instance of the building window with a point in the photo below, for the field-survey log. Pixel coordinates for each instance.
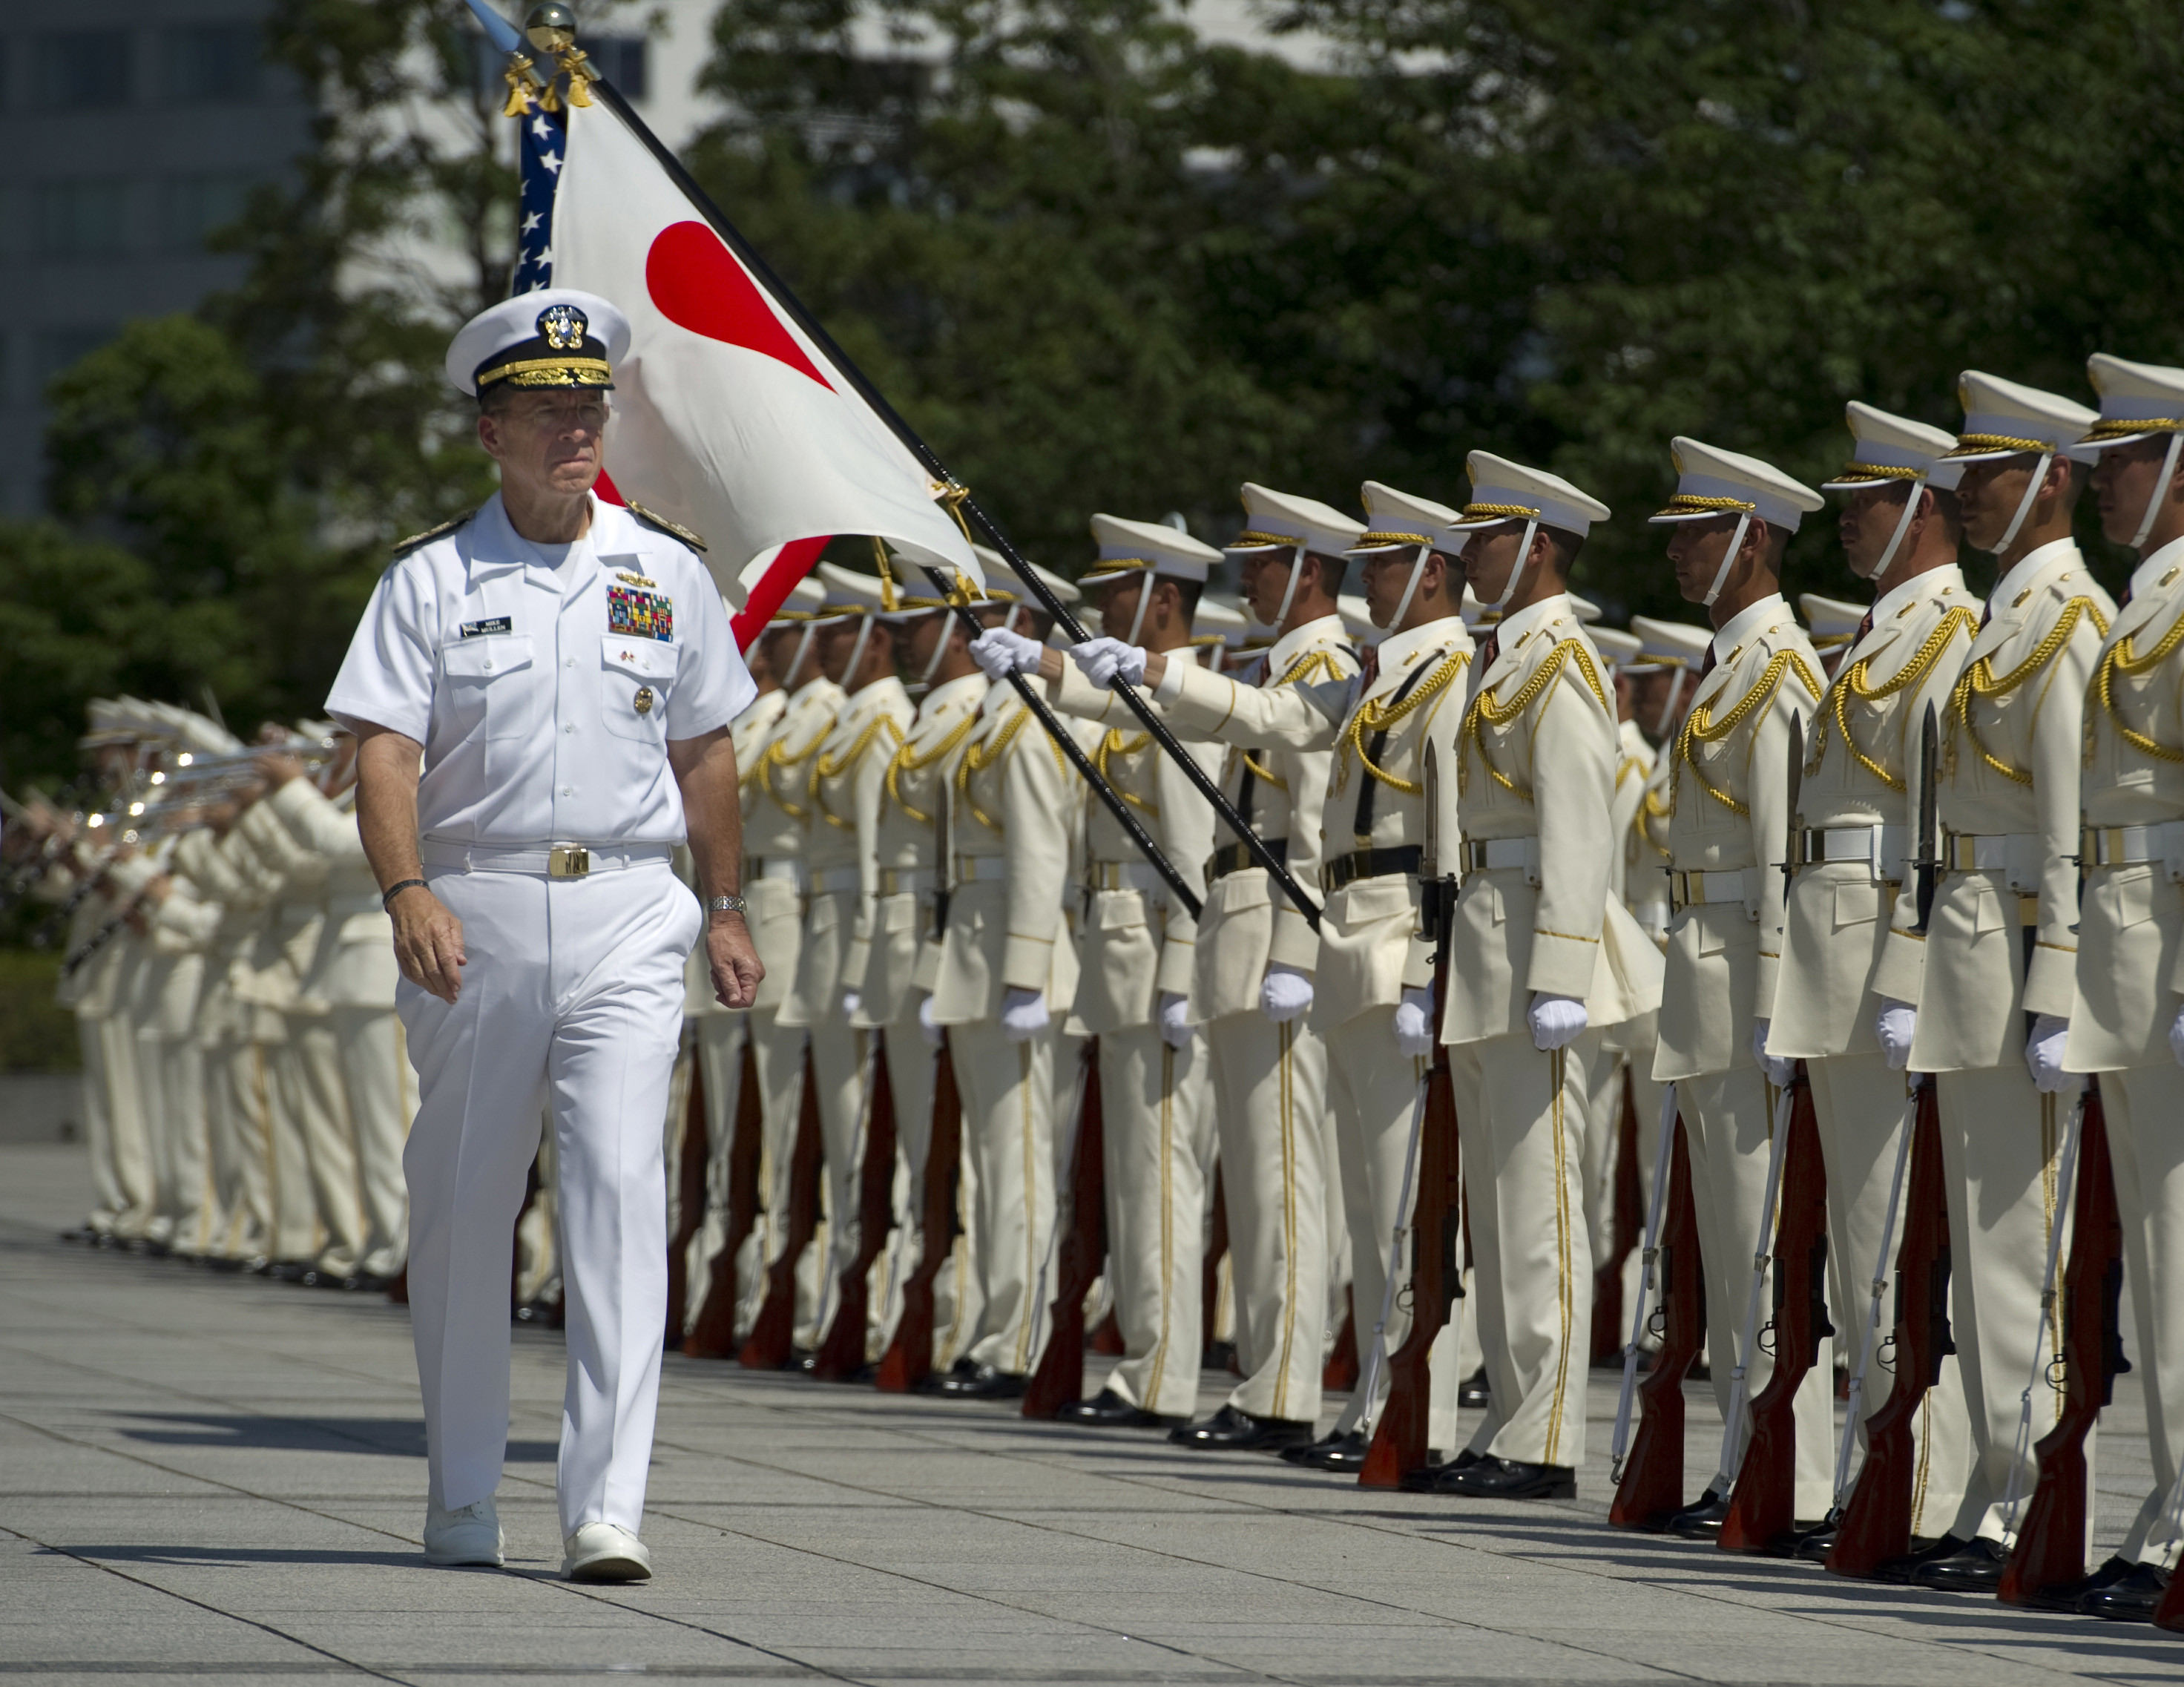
(86, 218)
(83, 68)
(213, 64)
(193, 208)
(623, 60)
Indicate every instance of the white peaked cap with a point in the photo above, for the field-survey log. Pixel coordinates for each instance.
(851, 593)
(1356, 619)
(1281, 521)
(1219, 618)
(111, 722)
(1400, 520)
(1889, 447)
(801, 604)
(1503, 491)
(1583, 608)
(201, 735)
(1670, 644)
(2003, 419)
(1146, 547)
(550, 317)
(2138, 399)
(1833, 621)
(1619, 647)
(1711, 481)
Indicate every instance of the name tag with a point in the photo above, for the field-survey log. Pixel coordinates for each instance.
(632, 614)
(479, 629)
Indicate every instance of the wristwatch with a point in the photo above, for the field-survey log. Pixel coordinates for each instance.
(726, 905)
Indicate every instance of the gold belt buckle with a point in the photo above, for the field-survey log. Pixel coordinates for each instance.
(568, 861)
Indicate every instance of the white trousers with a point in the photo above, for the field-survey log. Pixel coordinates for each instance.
(1522, 1118)
(330, 1136)
(1860, 1103)
(243, 1147)
(1008, 1132)
(2145, 1109)
(381, 1091)
(1152, 1098)
(573, 993)
(120, 1151)
(779, 1051)
(296, 1233)
(1270, 1099)
(1729, 1124)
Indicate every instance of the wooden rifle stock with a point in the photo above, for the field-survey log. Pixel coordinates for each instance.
(1762, 1506)
(773, 1331)
(1652, 1485)
(689, 1199)
(908, 1361)
(1876, 1521)
(1082, 1250)
(1209, 1280)
(713, 1332)
(2051, 1540)
(841, 1354)
(1339, 1375)
(1626, 1222)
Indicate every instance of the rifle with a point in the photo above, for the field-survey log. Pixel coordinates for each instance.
(712, 1332)
(909, 1358)
(1650, 1486)
(1876, 1520)
(1761, 1506)
(2051, 1542)
(841, 1354)
(689, 1199)
(773, 1331)
(1060, 1378)
(1626, 1214)
(1398, 1444)
(1209, 1280)
(1339, 1375)
(1648, 1259)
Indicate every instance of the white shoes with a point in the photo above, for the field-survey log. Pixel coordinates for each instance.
(470, 1536)
(604, 1552)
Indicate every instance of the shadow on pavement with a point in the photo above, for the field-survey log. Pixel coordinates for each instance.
(392, 1437)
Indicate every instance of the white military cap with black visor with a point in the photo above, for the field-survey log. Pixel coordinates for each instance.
(1151, 549)
(2138, 401)
(1677, 646)
(556, 338)
(1284, 520)
(1887, 450)
(1400, 520)
(2003, 419)
(1503, 491)
(1711, 483)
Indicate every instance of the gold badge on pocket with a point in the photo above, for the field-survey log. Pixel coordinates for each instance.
(644, 699)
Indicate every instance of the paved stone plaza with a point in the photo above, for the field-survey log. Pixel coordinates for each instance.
(208, 1477)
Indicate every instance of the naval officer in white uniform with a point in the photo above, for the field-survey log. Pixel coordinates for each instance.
(564, 671)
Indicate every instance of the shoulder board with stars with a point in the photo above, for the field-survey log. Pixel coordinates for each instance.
(403, 547)
(672, 529)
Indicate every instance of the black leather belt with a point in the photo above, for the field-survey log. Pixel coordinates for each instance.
(1234, 858)
(1368, 864)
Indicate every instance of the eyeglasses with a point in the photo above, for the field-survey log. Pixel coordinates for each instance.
(590, 414)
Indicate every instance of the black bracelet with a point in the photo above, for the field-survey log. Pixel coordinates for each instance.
(386, 897)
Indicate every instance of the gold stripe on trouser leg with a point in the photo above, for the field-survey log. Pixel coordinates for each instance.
(1858, 1102)
(1728, 1123)
(2000, 1144)
(1007, 1100)
(1374, 1088)
(1152, 1096)
(911, 1074)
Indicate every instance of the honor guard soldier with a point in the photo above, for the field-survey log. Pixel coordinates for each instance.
(844, 786)
(2000, 945)
(2128, 1022)
(1542, 956)
(1859, 819)
(1372, 987)
(542, 693)
(1731, 518)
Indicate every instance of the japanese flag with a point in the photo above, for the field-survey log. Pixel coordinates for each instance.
(727, 418)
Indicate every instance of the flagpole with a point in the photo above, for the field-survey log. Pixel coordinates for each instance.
(970, 510)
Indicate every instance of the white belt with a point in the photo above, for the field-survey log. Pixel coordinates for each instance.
(980, 869)
(837, 882)
(1880, 847)
(1139, 876)
(549, 860)
(2130, 846)
(1710, 884)
(784, 869)
(1485, 853)
(907, 880)
(1965, 852)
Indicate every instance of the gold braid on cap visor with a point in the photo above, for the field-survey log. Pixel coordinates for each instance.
(1987, 444)
(1367, 541)
(1877, 471)
(2127, 427)
(1499, 512)
(1252, 539)
(1690, 503)
(550, 371)
(1119, 565)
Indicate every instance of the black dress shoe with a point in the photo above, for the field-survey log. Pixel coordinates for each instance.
(1438, 1478)
(1231, 1431)
(1472, 1392)
(1701, 1519)
(365, 1282)
(1814, 1543)
(986, 1382)
(1110, 1410)
(937, 1382)
(2065, 1595)
(1901, 1570)
(2130, 1598)
(1976, 1567)
(1345, 1453)
(1499, 1478)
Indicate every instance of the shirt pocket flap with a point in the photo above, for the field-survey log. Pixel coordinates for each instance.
(1987, 915)
(1121, 912)
(645, 656)
(1375, 899)
(481, 658)
(1236, 892)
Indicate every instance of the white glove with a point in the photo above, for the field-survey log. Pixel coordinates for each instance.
(1414, 1023)
(932, 1033)
(1024, 1013)
(851, 1001)
(1555, 1020)
(1175, 1019)
(999, 652)
(1285, 992)
(2176, 1037)
(1103, 660)
(2043, 1052)
(1895, 1025)
(1779, 1071)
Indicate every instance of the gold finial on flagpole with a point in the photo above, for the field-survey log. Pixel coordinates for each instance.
(552, 29)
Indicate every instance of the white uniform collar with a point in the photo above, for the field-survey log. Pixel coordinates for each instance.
(971, 686)
(2156, 564)
(2028, 565)
(1512, 628)
(1897, 599)
(1745, 623)
(1327, 629)
(1399, 650)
